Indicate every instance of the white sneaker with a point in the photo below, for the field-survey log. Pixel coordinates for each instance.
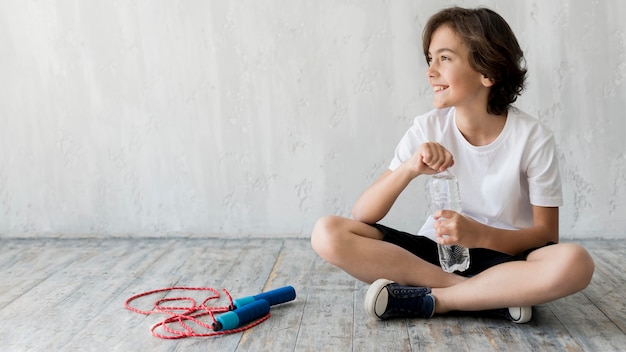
(519, 315)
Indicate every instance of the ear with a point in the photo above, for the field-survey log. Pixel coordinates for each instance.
(487, 82)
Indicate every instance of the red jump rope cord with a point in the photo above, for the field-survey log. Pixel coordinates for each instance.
(181, 314)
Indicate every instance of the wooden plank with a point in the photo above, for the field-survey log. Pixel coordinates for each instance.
(189, 263)
(98, 284)
(503, 335)
(140, 266)
(607, 287)
(589, 326)
(387, 335)
(450, 332)
(15, 256)
(292, 268)
(248, 266)
(328, 311)
(38, 310)
(22, 260)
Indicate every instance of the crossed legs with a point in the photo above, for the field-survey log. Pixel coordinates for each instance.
(549, 273)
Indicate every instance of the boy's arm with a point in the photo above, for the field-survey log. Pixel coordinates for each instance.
(378, 198)
(545, 229)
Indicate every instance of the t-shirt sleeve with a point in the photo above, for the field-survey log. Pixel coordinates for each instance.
(544, 179)
(409, 143)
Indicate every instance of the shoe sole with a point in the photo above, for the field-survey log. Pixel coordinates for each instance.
(521, 315)
(371, 297)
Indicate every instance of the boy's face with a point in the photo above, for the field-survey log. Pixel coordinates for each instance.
(454, 81)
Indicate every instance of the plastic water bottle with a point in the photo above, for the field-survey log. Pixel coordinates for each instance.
(444, 194)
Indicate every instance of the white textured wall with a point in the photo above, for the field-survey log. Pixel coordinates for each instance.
(254, 118)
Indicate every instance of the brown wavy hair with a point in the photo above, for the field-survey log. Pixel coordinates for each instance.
(494, 51)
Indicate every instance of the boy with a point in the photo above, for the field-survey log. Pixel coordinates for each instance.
(506, 165)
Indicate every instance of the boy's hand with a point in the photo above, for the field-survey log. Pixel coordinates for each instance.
(454, 228)
(430, 158)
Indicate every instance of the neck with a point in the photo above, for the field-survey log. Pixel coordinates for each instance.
(479, 127)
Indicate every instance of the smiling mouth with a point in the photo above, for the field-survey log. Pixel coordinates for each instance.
(439, 88)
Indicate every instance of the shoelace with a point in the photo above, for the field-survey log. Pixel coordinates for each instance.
(410, 300)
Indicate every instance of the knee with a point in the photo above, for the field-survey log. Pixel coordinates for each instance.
(578, 262)
(584, 262)
(325, 238)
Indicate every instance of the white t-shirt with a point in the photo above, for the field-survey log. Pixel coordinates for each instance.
(498, 182)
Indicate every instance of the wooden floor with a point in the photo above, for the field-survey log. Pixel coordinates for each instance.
(68, 295)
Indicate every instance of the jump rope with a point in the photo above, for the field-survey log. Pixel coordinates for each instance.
(239, 315)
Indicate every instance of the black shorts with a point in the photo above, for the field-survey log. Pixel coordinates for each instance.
(425, 248)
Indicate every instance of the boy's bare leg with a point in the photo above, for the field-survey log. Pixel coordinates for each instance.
(549, 273)
(358, 249)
